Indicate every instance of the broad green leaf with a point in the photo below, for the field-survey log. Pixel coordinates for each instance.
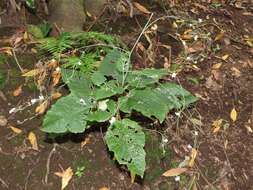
(67, 115)
(126, 140)
(103, 115)
(177, 97)
(114, 62)
(30, 4)
(77, 82)
(98, 78)
(143, 78)
(147, 102)
(109, 89)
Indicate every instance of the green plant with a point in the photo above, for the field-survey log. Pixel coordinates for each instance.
(79, 171)
(112, 94)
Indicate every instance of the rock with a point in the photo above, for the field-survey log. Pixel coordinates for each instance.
(94, 7)
(3, 121)
(68, 15)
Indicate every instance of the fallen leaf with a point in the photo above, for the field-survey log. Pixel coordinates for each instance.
(104, 188)
(133, 175)
(236, 72)
(247, 126)
(18, 91)
(216, 74)
(174, 172)
(217, 125)
(225, 57)
(53, 64)
(193, 157)
(233, 115)
(33, 140)
(141, 8)
(219, 36)
(56, 95)
(40, 109)
(217, 66)
(56, 77)
(15, 129)
(66, 177)
(85, 141)
(32, 73)
(7, 50)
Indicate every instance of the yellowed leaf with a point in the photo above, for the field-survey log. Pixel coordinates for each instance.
(174, 172)
(236, 72)
(217, 125)
(141, 8)
(85, 141)
(56, 77)
(104, 188)
(18, 91)
(25, 36)
(133, 175)
(233, 115)
(186, 37)
(7, 50)
(33, 140)
(40, 109)
(56, 95)
(15, 129)
(32, 73)
(225, 57)
(217, 66)
(193, 157)
(65, 177)
(219, 36)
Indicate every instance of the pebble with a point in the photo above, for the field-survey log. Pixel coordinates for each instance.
(3, 121)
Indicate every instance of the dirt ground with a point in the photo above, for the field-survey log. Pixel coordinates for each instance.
(208, 48)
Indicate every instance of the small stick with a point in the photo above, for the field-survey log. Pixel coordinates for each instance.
(4, 183)
(15, 57)
(48, 163)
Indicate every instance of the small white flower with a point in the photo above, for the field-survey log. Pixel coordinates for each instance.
(53, 60)
(178, 114)
(33, 101)
(188, 58)
(196, 133)
(102, 105)
(12, 110)
(112, 120)
(165, 140)
(196, 37)
(200, 20)
(58, 69)
(82, 102)
(173, 75)
(189, 146)
(177, 178)
(190, 25)
(41, 97)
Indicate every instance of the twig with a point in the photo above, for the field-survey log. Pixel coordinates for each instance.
(4, 183)
(45, 7)
(16, 60)
(131, 8)
(48, 164)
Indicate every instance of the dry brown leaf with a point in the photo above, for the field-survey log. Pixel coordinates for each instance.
(219, 36)
(186, 37)
(7, 50)
(15, 129)
(217, 125)
(53, 64)
(65, 177)
(85, 141)
(196, 47)
(56, 77)
(236, 72)
(32, 73)
(18, 91)
(225, 57)
(233, 115)
(33, 140)
(40, 109)
(217, 66)
(216, 74)
(56, 95)
(174, 172)
(141, 8)
(193, 157)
